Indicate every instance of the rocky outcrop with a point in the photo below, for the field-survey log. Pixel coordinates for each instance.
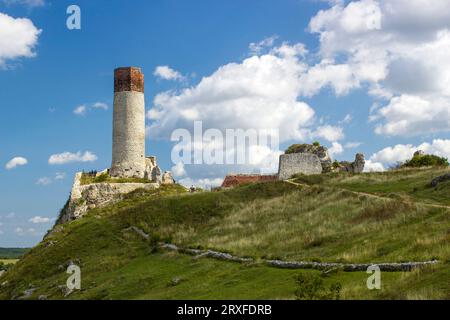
(440, 179)
(348, 267)
(356, 166)
(167, 178)
(90, 196)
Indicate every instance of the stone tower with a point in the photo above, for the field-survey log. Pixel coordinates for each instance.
(128, 150)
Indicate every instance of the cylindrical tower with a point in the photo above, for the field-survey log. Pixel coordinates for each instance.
(128, 150)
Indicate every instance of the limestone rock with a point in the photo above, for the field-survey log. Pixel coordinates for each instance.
(356, 166)
(167, 178)
(443, 178)
(90, 196)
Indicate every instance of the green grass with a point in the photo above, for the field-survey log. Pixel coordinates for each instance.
(323, 222)
(88, 179)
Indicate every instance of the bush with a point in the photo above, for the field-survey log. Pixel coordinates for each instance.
(311, 287)
(426, 160)
(316, 143)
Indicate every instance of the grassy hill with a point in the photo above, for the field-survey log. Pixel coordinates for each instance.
(376, 217)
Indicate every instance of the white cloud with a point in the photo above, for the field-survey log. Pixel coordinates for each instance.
(178, 170)
(60, 176)
(205, 183)
(44, 181)
(412, 115)
(167, 73)
(83, 109)
(15, 162)
(39, 219)
(336, 149)
(402, 152)
(18, 38)
(27, 3)
(398, 50)
(371, 166)
(80, 110)
(68, 157)
(330, 133)
(352, 145)
(100, 105)
(259, 93)
(256, 48)
(27, 232)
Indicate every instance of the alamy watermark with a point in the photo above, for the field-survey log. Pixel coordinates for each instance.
(229, 146)
(374, 281)
(73, 22)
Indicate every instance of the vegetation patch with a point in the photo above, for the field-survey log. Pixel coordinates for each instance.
(88, 178)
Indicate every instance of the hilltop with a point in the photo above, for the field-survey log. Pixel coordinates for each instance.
(394, 216)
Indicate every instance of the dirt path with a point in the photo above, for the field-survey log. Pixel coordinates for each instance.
(373, 196)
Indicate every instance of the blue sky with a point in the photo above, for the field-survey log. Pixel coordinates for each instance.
(356, 91)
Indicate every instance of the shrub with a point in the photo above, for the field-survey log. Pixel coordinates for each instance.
(426, 161)
(316, 143)
(311, 287)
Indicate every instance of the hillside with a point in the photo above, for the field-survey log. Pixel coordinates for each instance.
(376, 217)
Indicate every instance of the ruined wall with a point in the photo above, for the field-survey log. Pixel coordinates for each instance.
(293, 163)
(128, 156)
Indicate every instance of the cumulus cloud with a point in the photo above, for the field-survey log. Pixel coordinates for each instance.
(401, 152)
(398, 50)
(329, 133)
(69, 157)
(167, 73)
(18, 38)
(335, 149)
(15, 162)
(259, 93)
(39, 220)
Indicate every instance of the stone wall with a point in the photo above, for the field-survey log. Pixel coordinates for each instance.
(86, 197)
(306, 163)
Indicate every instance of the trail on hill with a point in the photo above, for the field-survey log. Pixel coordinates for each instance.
(374, 196)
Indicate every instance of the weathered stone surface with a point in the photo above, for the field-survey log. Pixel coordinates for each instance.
(306, 163)
(349, 267)
(318, 150)
(90, 196)
(443, 178)
(356, 166)
(128, 150)
(167, 178)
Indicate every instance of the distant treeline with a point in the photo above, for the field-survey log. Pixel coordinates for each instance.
(12, 253)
